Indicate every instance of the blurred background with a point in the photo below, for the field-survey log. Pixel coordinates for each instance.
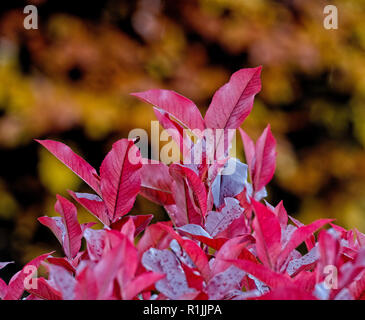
(70, 79)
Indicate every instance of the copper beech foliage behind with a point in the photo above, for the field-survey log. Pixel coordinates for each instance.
(223, 240)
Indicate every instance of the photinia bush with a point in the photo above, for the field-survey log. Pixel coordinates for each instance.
(223, 240)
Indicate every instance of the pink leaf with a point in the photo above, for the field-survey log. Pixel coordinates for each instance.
(71, 238)
(311, 241)
(62, 280)
(357, 288)
(77, 164)
(225, 282)
(95, 242)
(66, 228)
(264, 274)
(198, 233)
(265, 160)
(156, 183)
(195, 253)
(175, 130)
(329, 248)
(156, 237)
(3, 288)
(250, 150)
(45, 291)
(120, 178)
(176, 105)
(174, 285)
(280, 212)
(128, 229)
(267, 234)
(140, 223)
(305, 262)
(217, 222)
(360, 238)
(109, 266)
(300, 235)
(56, 225)
(233, 102)
(17, 282)
(232, 249)
(86, 285)
(194, 184)
(287, 293)
(62, 262)
(189, 197)
(141, 283)
(92, 203)
(194, 280)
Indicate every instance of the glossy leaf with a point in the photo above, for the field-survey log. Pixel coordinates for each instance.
(77, 164)
(176, 105)
(120, 178)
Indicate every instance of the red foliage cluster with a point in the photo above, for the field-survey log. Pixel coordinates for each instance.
(222, 242)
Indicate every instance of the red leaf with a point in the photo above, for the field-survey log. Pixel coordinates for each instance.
(71, 238)
(360, 238)
(267, 234)
(17, 282)
(174, 285)
(55, 224)
(249, 147)
(198, 233)
(188, 200)
(95, 242)
(77, 164)
(62, 280)
(218, 222)
(86, 286)
(286, 293)
(62, 262)
(3, 288)
(357, 288)
(175, 130)
(233, 102)
(329, 249)
(264, 274)
(265, 160)
(298, 236)
(92, 203)
(141, 283)
(311, 241)
(127, 271)
(156, 183)
(128, 229)
(230, 250)
(120, 178)
(195, 253)
(194, 280)
(282, 215)
(113, 262)
(176, 105)
(223, 283)
(140, 223)
(194, 184)
(154, 236)
(45, 291)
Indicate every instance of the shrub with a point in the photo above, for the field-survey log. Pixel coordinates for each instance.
(222, 241)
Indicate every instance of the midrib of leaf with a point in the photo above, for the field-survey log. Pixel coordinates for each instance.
(119, 184)
(230, 113)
